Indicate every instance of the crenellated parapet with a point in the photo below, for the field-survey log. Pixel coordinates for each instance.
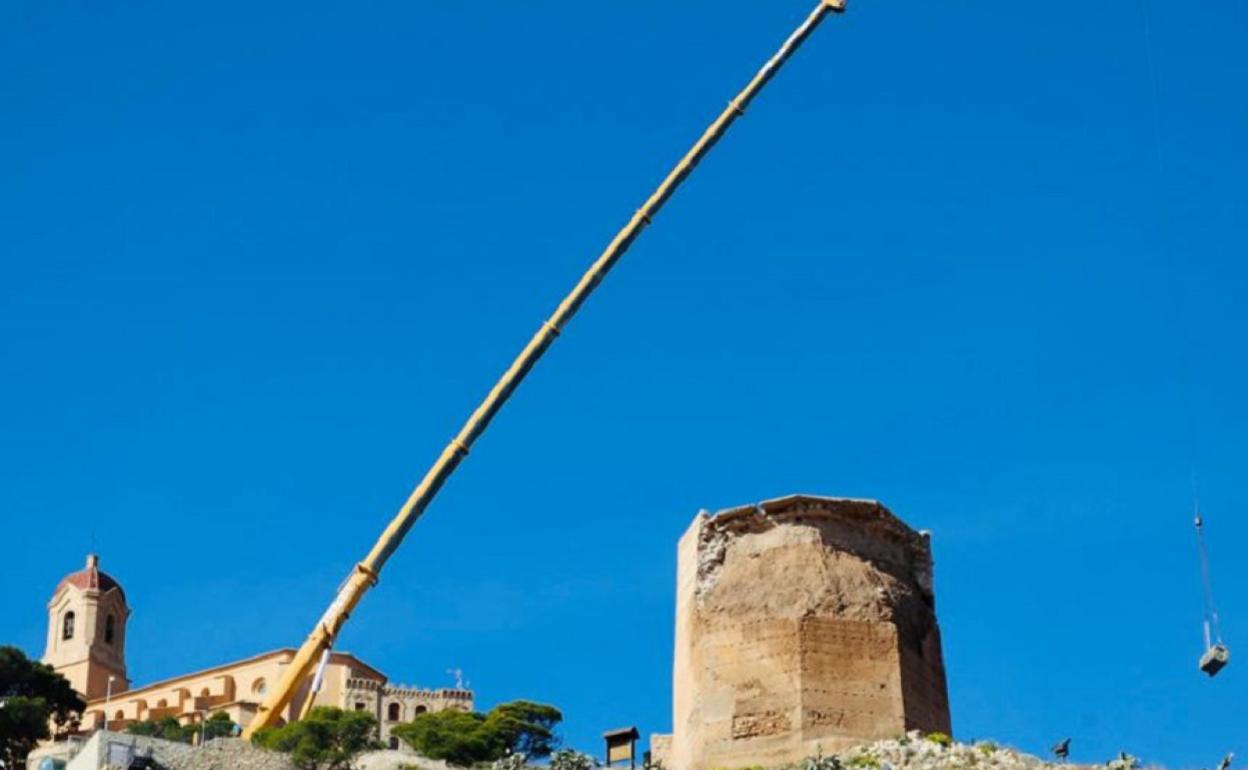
(444, 694)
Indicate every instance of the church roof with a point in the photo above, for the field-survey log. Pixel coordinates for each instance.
(286, 654)
(90, 578)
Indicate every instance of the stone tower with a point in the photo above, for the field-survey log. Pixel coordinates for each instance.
(87, 631)
(801, 623)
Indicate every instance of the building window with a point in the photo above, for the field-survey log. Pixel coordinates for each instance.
(396, 712)
(204, 693)
(67, 630)
(259, 687)
(360, 706)
(394, 744)
(162, 704)
(421, 709)
(110, 630)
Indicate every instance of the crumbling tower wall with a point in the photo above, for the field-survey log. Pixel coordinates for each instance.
(801, 623)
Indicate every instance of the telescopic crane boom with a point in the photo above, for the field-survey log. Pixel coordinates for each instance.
(366, 573)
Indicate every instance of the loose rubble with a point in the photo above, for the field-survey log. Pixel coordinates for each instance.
(228, 754)
(397, 759)
(938, 752)
(911, 752)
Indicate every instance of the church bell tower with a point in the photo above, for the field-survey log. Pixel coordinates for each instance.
(87, 631)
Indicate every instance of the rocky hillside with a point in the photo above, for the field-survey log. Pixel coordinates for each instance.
(913, 752)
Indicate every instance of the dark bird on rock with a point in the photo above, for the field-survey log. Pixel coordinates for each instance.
(1062, 750)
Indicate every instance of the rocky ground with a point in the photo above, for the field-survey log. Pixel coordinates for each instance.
(397, 760)
(913, 752)
(228, 754)
(231, 754)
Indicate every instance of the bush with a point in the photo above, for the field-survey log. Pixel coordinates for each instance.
(219, 725)
(819, 762)
(1124, 762)
(168, 729)
(511, 762)
(457, 737)
(327, 738)
(466, 738)
(939, 738)
(567, 759)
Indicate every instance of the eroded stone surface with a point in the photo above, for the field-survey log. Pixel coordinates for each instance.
(803, 622)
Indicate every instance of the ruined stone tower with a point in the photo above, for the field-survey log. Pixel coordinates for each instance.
(801, 623)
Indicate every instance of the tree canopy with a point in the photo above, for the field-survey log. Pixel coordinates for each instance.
(327, 738)
(526, 727)
(464, 738)
(32, 696)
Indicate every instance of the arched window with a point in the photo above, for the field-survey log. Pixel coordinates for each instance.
(204, 693)
(162, 704)
(119, 716)
(396, 712)
(110, 629)
(260, 687)
(394, 744)
(421, 709)
(67, 630)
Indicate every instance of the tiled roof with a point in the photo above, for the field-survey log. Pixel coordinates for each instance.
(91, 578)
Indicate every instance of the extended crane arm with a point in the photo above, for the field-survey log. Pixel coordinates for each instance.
(365, 574)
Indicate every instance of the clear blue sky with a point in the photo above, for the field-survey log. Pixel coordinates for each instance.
(260, 260)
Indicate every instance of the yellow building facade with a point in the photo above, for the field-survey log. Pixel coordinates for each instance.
(86, 643)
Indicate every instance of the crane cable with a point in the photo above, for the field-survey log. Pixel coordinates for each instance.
(1212, 624)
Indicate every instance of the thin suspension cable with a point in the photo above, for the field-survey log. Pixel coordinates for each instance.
(1182, 330)
(1213, 630)
(1206, 579)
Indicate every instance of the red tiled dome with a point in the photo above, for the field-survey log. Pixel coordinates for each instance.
(91, 579)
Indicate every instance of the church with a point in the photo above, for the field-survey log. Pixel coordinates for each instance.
(86, 643)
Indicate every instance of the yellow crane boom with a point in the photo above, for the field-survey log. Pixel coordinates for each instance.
(365, 574)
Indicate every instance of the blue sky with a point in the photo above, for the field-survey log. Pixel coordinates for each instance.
(261, 259)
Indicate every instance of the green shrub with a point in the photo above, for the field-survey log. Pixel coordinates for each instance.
(510, 762)
(820, 762)
(567, 759)
(328, 738)
(219, 725)
(939, 738)
(466, 738)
